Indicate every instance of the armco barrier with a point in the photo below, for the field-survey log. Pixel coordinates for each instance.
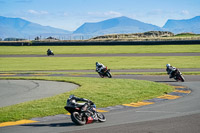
(84, 43)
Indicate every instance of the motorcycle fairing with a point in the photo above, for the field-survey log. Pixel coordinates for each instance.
(89, 120)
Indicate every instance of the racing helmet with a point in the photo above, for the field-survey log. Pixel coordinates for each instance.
(71, 96)
(70, 100)
(168, 65)
(97, 63)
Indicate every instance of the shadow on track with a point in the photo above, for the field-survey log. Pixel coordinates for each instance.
(166, 81)
(51, 125)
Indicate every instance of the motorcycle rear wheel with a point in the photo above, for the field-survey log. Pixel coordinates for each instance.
(101, 117)
(101, 75)
(75, 116)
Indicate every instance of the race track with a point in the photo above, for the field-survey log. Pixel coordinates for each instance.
(180, 115)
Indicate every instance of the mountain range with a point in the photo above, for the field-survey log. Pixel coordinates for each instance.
(20, 28)
(185, 25)
(116, 25)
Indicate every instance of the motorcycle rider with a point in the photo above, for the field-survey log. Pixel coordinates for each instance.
(170, 70)
(99, 67)
(73, 101)
(49, 50)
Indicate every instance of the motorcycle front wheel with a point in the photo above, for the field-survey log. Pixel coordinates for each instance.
(109, 74)
(77, 119)
(101, 117)
(181, 78)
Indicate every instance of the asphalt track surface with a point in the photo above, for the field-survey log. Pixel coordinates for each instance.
(18, 91)
(180, 115)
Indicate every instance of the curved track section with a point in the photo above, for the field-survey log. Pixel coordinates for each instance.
(180, 115)
(18, 91)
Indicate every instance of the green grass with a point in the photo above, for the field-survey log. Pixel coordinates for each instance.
(104, 92)
(187, 35)
(41, 50)
(84, 63)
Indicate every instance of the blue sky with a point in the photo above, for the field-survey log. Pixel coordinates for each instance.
(70, 14)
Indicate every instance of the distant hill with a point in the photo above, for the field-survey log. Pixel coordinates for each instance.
(185, 25)
(116, 25)
(20, 28)
(149, 34)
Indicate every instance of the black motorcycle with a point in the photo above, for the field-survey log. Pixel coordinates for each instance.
(178, 76)
(104, 73)
(85, 114)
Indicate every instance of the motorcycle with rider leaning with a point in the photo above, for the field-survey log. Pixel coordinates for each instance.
(83, 113)
(174, 72)
(102, 70)
(50, 52)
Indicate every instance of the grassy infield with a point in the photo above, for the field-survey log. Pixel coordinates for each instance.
(73, 63)
(41, 50)
(104, 92)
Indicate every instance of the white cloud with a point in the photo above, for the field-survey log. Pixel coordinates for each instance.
(113, 14)
(32, 12)
(37, 12)
(185, 12)
(105, 14)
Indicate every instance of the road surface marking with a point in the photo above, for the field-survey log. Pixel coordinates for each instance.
(138, 104)
(179, 86)
(16, 123)
(99, 110)
(169, 97)
(183, 91)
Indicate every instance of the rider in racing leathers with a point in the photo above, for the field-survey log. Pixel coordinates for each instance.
(170, 70)
(72, 101)
(99, 67)
(49, 51)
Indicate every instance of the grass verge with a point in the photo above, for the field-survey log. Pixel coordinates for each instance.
(41, 50)
(88, 63)
(104, 92)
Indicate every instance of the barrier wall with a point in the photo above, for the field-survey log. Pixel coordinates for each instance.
(177, 42)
